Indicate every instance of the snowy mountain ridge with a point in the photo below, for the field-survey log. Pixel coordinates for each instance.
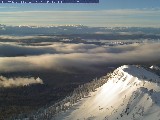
(131, 93)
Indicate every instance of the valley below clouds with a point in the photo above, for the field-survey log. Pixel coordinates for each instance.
(39, 70)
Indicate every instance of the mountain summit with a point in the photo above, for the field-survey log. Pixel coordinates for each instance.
(131, 93)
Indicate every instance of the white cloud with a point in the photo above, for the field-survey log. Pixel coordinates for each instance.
(15, 82)
(82, 56)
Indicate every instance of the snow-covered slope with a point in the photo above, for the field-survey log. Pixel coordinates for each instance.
(131, 93)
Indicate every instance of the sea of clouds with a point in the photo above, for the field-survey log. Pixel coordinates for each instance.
(61, 56)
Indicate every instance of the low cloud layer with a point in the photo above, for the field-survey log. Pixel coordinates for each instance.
(65, 57)
(15, 82)
(15, 50)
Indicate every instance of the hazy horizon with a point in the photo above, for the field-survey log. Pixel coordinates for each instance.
(112, 13)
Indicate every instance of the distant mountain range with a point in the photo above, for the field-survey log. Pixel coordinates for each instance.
(73, 29)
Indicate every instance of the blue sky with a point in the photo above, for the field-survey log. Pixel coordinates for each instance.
(145, 13)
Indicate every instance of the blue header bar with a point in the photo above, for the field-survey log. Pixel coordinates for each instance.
(49, 1)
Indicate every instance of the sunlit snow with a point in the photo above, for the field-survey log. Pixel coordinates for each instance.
(131, 93)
